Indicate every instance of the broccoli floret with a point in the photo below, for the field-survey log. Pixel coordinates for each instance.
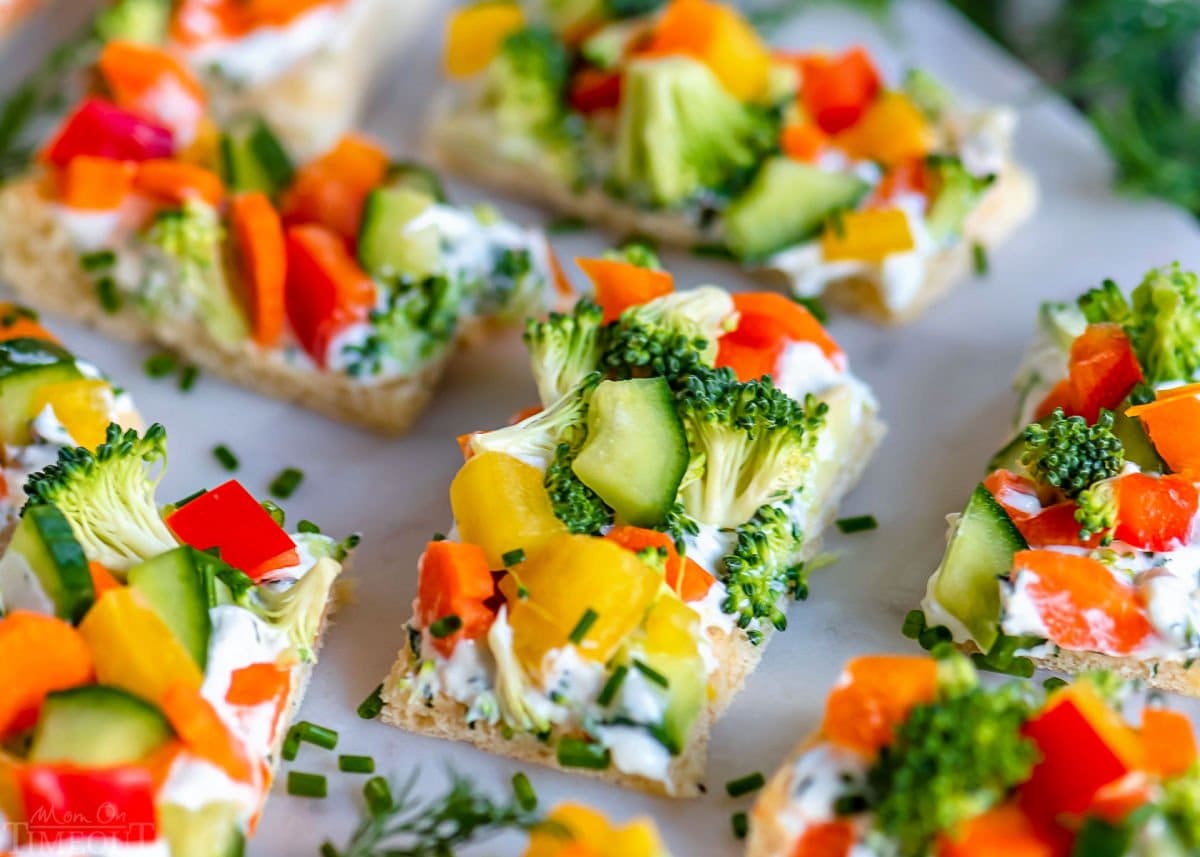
(513, 289)
(756, 443)
(419, 320)
(575, 504)
(1181, 807)
(950, 760)
(636, 252)
(762, 568)
(672, 336)
(680, 134)
(678, 525)
(564, 349)
(1164, 324)
(108, 496)
(1070, 455)
(539, 436)
(1097, 512)
(1105, 303)
(298, 609)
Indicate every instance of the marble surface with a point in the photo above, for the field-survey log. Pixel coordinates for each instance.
(943, 383)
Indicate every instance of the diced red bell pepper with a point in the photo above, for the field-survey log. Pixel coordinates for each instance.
(1154, 513)
(767, 322)
(104, 130)
(454, 579)
(63, 802)
(836, 91)
(826, 839)
(1084, 746)
(229, 518)
(593, 90)
(326, 289)
(1016, 493)
(1102, 370)
(1054, 525)
(1058, 397)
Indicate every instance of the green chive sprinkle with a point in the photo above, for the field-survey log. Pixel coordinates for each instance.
(523, 789)
(109, 295)
(275, 511)
(160, 365)
(745, 785)
(370, 707)
(378, 795)
(1054, 683)
(979, 259)
(914, 624)
(291, 745)
(573, 753)
(286, 483)
(609, 691)
(319, 735)
(857, 524)
(585, 623)
(513, 557)
(445, 626)
(187, 378)
(713, 251)
(563, 225)
(741, 824)
(225, 456)
(328, 850)
(306, 785)
(179, 504)
(356, 764)
(815, 306)
(306, 526)
(97, 260)
(652, 674)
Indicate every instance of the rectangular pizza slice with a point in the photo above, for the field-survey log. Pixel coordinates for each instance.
(675, 120)
(151, 658)
(620, 557)
(914, 756)
(343, 284)
(1077, 550)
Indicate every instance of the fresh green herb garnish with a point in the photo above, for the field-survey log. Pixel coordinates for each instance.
(307, 785)
(286, 483)
(109, 295)
(225, 457)
(97, 261)
(307, 526)
(584, 625)
(565, 224)
(651, 673)
(979, 259)
(513, 557)
(188, 377)
(609, 691)
(524, 793)
(320, 736)
(356, 764)
(160, 365)
(445, 626)
(740, 823)
(275, 511)
(574, 753)
(814, 305)
(745, 785)
(857, 524)
(370, 707)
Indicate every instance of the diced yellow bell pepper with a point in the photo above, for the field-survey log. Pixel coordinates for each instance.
(474, 35)
(718, 36)
(593, 836)
(84, 407)
(891, 132)
(500, 503)
(568, 576)
(133, 648)
(870, 235)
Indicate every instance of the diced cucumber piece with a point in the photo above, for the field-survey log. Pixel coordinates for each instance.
(143, 21)
(45, 558)
(252, 158)
(26, 365)
(173, 584)
(387, 247)
(785, 205)
(980, 553)
(636, 451)
(97, 726)
(418, 177)
(213, 830)
(1138, 447)
(957, 196)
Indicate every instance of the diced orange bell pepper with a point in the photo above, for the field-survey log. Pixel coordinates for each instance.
(153, 82)
(1016, 493)
(1102, 369)
(803, 141)
(19, 323)
(1154, 513)
(826, 839)
(173, 183)
(620, 285)
(1003, 831)
(455, 580)
(911, 176)
(875, 694)
(195, 22)
(836, 91)
(1081, 604)
(891, 131)
(201, 729)
(1168, 742)
(331, 190)
(475, 33)
(718, 36)
(1173, 422)
(90, 183)
(38, 655)
(870, 235)
(689, 580)
(258, 236)
(102, 578)
(1084, 746)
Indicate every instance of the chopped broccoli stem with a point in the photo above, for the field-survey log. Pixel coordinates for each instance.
(1070, 455)
(539, 436)
(564, 349)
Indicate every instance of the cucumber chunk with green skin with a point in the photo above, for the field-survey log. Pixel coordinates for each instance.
(636, 452)
(253, 159)
(142, 21)
(387, 247)
(980, 552)
(27, 365)
(97, 726)
(1138, 447)
(213, 830)
(173, 584)
(786, 205)
(44, 562)
(418, 177)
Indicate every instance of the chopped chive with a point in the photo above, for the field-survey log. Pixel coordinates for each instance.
(438, 537)
(319, 735)
(741, 824)
(914, 624)
(108, 294)
(836, 223)
(378, 795)
(306, 785)
(561, 225)
(306, 526)
(286, 483)
(356, 764)
(97, 260)
(291, 745)
(187, 378)
(651, 673)
(445, 626)
(328, 850)
(1054, 683)
(179, 504)
(225, 456)
(979, 259)
(275, 511)
(585, 623)
(815, 306)
(857, 524)
(745, 785)
(513, 557)
(160, 365)
(574, 753)
(609, 691)
(523, 789)
(713, 251)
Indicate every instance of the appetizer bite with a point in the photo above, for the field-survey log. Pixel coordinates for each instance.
(1078, 549)
(150, 658)
(678, 122)
(49, 400)
(915, 758)
(343, 284)
(620, 557)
